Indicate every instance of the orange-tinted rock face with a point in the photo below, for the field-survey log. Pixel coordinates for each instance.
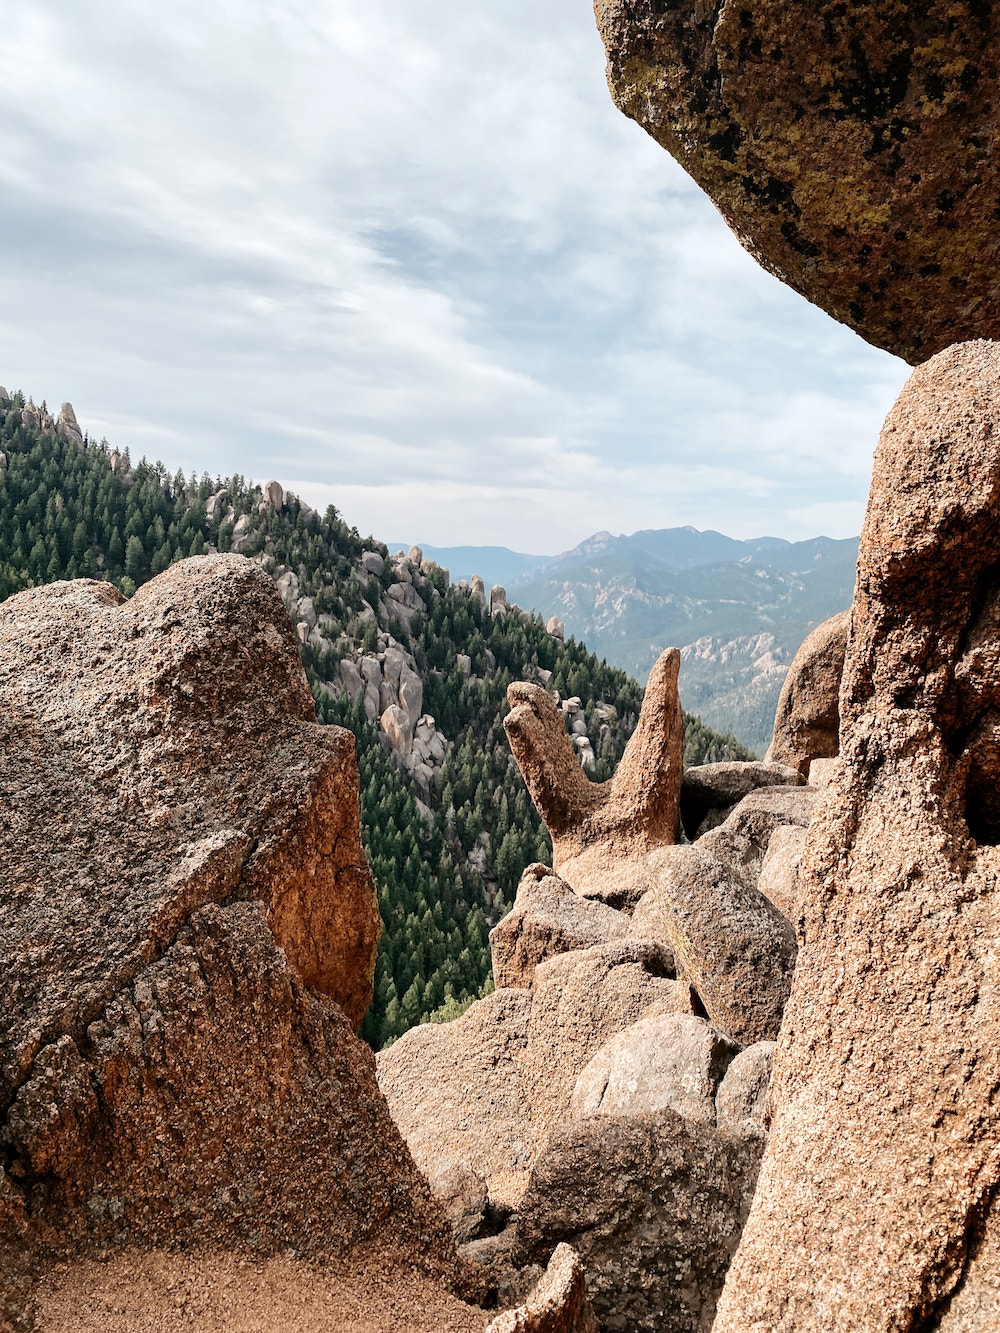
(162, 753)
(847, 144)
(187, 917)
(873, 1210)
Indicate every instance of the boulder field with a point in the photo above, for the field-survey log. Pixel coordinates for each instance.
(611, 1094)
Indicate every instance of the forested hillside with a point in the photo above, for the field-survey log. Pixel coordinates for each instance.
(416, 668)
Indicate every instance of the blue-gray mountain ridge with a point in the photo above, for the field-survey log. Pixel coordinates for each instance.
(738, 610)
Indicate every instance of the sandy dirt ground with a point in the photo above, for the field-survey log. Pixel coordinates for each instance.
(163, 1292)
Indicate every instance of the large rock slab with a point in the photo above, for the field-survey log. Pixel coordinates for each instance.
(171, 740)
(675, 1060)
(548, 918)
(653, 1204)
(187, 923)
(601, 831)
(873, 1207)
(846, 146)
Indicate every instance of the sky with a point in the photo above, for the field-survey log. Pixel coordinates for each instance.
(410, 261)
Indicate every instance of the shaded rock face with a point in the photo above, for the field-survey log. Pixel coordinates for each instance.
(710, 791)
(653, 1204)
(807, 719)
(887, 1065)
(601, 830)
(187, 917)
(558, 1304)
(847, 145)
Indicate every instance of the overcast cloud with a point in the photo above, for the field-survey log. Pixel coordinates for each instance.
(411, 262)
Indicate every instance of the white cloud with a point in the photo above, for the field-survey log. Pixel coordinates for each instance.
(406, 258)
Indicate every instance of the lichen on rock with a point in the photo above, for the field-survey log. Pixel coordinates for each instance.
(848, 146)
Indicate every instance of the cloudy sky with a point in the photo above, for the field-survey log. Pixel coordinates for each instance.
(411, 261)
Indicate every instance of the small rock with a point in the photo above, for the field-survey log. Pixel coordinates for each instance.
(779, 875)
(807, 720)
(462, 1192)
(548, 918)
(372, 563)
(274, 494)
(822, 772)
(753, 821)
(558, 1303)
(555, 628)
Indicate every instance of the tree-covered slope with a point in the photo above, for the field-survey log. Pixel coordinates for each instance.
(447, 822)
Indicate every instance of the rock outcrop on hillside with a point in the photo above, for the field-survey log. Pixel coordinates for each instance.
(189, 930)
(848, 147)
(875, 1208)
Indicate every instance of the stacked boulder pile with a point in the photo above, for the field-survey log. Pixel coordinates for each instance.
(611, 1093)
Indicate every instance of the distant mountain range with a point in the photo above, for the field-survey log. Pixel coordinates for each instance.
(493, 564)
(738, 610)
